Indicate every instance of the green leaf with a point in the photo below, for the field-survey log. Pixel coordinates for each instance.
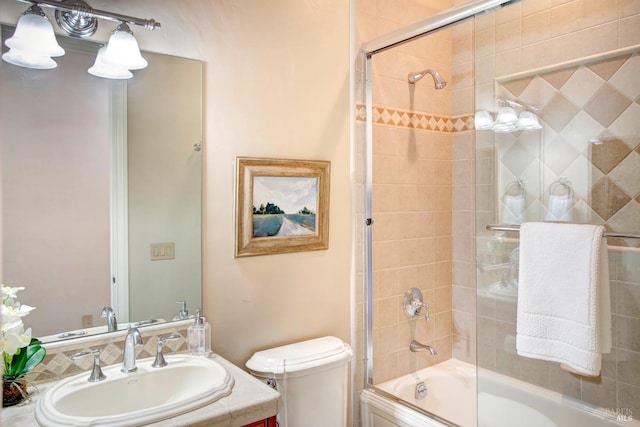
(27, 358)
(18, 362)
(35, 356)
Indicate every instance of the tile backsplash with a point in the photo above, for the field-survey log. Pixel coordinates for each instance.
(58, 364)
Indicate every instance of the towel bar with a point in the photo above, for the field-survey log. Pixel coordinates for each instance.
(516, 228)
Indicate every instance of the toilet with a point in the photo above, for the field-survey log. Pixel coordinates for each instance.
(311, 377)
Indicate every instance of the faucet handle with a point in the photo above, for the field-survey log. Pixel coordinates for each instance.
(96, 372)
(413, 304)
(159, 362)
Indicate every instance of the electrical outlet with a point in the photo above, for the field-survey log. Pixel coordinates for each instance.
(87, 321)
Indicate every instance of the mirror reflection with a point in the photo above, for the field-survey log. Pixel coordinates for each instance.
(101, 191)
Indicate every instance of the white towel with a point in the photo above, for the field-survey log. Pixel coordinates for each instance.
(564, 305)
(513, 209)
(559, 208)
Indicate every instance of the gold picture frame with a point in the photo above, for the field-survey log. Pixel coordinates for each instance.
(282, 206)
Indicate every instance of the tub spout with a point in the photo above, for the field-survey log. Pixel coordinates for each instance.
(416, 346)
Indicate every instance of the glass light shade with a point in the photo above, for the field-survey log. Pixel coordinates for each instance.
(506, 116)
(483, 120)
(506, 128)
(29, 60)
(104, 69)
(122, 50)
(34, 35)
(528, 121)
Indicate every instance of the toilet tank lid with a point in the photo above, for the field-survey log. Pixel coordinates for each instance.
(300, 356)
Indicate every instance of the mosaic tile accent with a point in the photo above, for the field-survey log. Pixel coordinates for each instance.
(591, 119)
(57, 364)
(390, 116)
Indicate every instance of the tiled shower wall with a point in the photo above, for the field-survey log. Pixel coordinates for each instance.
(422, 191)
(579, 102)
(589, 110)
(411, 196)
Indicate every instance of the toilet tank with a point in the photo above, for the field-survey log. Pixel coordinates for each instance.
(312, 378)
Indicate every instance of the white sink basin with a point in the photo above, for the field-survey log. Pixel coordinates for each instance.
(145, 396)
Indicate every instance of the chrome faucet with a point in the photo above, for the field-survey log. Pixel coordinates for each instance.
(132, 340)
(110, 315)
(416, 346)
(96, 372)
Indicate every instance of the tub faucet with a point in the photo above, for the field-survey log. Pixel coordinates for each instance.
(416, 346)
(132, 340)
(110, 315)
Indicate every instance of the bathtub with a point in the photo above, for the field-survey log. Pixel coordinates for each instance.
(451, 399)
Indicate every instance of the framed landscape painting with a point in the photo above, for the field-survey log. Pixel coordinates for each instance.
(281, 206)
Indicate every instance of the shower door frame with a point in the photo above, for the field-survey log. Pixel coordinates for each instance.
(437, 22)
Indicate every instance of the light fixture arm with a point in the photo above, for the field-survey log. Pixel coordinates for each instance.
(84, 10)
(513, 104)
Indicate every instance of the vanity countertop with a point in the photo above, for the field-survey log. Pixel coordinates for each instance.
(250, 401)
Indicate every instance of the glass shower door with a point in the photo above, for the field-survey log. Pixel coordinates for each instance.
(576, 75)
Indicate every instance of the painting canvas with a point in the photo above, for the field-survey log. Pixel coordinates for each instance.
(282, 206)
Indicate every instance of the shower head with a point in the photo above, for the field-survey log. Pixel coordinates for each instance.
(439, 82)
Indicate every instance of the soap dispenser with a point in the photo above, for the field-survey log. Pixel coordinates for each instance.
(199, 336)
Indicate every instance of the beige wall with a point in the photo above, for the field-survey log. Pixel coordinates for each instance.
(276, 85)
(56, 238)
(164, 191)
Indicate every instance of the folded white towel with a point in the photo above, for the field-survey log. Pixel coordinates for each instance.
(559, 208)
(564, 304)
(513, 209)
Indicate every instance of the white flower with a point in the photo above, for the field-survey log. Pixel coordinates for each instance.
(14, 337)
(10, 294)
(11, 291)
(18, 310)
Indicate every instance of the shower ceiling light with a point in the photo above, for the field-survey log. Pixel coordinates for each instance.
(34, 43)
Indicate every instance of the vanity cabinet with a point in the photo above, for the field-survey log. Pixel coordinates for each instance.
(269, 422)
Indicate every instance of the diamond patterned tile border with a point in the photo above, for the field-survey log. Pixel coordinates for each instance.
(390, 116)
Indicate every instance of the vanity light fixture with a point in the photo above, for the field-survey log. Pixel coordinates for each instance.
(507, 119)
(102, 68)
(34, 44)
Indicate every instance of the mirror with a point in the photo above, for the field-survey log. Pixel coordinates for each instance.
(101, 190)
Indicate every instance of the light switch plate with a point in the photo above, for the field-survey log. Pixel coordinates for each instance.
(162, 251)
